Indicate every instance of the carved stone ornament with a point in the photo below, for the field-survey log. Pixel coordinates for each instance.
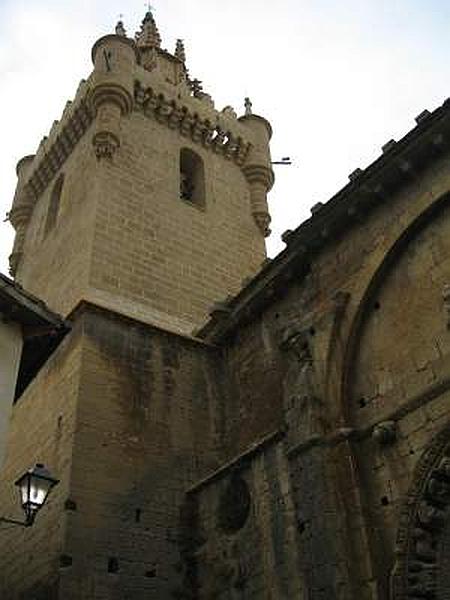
(301, 391)
(105, 145)
(229, 112)
(14, 260)
(385, 432)
(262, 220)
(293, 339)
(423, 542)
(149, 59)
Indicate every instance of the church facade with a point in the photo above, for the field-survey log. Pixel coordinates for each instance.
(223, 425)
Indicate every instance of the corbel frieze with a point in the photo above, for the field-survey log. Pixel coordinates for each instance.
(60, 149)
(175, 115)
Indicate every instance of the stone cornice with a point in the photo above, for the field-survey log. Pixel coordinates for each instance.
(240, 461)
(176, 115)
(394, 169)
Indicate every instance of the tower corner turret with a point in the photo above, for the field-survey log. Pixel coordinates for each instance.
(111, 96)
(258, 166)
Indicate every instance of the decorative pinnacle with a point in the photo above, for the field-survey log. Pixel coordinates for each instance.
(120, 29)
(248, 107)
(149, 36)
(180, 52)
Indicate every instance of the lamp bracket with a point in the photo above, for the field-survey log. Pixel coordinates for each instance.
(26, 523)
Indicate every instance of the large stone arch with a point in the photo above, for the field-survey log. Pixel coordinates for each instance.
(423, 540)
(399, 281)
(435, 217)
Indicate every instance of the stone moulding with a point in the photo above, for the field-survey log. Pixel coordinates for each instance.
(60, 149)
(202, 131)
(423, 521)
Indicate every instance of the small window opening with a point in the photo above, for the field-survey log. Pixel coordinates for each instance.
(192, 178)
(301, 526)
(113, 565)
(54, 205)
(65, 560)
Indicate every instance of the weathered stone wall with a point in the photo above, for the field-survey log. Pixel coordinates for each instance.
(55, 266)
(128, 418)
(149, 424)
(254, 409)
(41, 430)
(360, 341)
(11, 343)
(247, 543)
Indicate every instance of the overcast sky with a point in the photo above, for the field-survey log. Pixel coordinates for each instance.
(336, 79)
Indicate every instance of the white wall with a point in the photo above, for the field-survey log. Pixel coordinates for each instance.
(10, 352)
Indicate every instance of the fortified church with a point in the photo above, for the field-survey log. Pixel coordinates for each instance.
(224, 426)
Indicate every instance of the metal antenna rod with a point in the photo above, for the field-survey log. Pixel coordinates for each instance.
(286, 160)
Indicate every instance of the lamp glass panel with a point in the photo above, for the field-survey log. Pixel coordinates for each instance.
(24, 488)
(39, 489)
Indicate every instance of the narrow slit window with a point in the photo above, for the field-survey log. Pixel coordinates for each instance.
(192, 178)
(54, 205)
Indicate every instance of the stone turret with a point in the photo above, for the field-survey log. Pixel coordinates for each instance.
(258, 167)
(21, 211)
(111, 97)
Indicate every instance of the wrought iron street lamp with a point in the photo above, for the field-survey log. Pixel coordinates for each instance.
(34, 488)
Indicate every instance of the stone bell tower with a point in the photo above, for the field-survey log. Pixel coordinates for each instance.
(142, 207)
(144, 198)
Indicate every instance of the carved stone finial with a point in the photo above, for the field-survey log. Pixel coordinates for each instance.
(120, 29)
(229, 112)
(149, 36)
(248, 107)
(180, 52)
(385, 432)
(197, 88)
